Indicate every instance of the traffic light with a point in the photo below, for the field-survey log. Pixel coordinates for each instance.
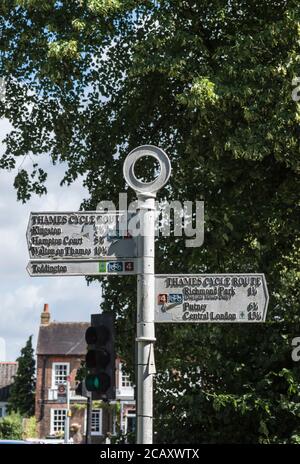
(100, 357)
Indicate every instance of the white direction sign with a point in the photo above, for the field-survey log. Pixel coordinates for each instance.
(39, 268)
(92, 235)
(203, 298)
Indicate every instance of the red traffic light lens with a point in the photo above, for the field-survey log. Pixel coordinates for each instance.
(91, 335)
(99, 335)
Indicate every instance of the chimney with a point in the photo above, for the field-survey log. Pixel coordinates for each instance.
(45, 316)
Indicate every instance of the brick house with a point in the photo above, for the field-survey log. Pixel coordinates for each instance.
(7, 372)
(61, 347)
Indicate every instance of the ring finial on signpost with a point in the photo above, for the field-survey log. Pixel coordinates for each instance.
(141, 152)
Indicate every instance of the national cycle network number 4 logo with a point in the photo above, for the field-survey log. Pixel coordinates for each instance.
(164, 298)
(116, 266)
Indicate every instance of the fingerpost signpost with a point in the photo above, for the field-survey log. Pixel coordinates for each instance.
(93, 243)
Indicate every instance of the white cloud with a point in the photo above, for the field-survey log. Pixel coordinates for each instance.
(23, 297)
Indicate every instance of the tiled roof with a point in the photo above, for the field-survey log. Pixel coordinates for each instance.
(62, 338)
(7, 372)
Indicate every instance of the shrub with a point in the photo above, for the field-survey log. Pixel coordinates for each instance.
(29, 428)
(11, 427)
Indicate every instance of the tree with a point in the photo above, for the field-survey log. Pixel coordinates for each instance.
(211, 83)
(21, 398)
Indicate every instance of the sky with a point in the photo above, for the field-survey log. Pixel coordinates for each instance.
(23, 297)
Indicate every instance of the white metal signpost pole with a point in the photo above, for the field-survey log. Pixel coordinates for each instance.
(67, 419)
(146, 193)
(187, 298)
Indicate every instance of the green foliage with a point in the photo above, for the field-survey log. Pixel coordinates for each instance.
(66, 49)
(21, 397)
(103, 7)
(121, 438)
(210, 82)
(11, 427)
(79, 406)
(81, 372)
(113, 407)
(245, 390)
(29, 428)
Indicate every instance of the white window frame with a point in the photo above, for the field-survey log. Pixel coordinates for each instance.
(114, 423)
(130, 414)
(121, 375)
(3, 406)
(98, 433)
(52, 431)
(54, 370)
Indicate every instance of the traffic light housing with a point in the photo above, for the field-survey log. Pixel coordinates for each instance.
(100, 357)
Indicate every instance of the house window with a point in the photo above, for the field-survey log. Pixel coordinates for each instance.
(125, 379)
(130, 424)
(60, 372)
(96, 425)
(114, 423)
(1, 412)
(58, 417)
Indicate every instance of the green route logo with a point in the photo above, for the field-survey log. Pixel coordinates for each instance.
(102, 266)
(242, 315)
